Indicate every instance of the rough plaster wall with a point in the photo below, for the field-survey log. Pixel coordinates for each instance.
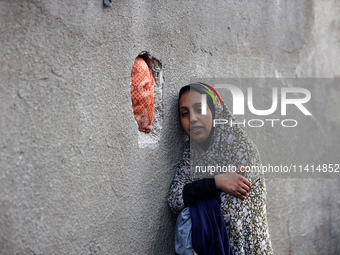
(73, 179)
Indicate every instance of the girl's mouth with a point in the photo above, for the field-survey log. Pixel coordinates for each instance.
(195, 129)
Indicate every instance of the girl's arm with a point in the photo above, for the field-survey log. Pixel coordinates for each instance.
(231, 183)
(200, 189)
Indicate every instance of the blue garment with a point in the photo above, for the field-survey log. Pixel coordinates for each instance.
(183, 244)
(209, 233)
(107, 3)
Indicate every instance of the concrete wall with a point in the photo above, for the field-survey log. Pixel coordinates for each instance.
(74, 178)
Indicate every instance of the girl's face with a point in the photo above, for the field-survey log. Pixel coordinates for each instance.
(195, 125)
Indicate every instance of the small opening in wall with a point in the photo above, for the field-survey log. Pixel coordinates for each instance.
(146, 97)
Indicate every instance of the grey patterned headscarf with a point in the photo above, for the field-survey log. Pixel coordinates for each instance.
(246, 220)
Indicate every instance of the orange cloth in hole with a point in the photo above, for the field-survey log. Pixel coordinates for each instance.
(142, 94)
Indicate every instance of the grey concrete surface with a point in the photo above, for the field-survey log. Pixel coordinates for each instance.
(73, 176)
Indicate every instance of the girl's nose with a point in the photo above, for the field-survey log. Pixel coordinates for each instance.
(193, 117)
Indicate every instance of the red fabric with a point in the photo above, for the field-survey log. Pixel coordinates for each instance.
(142, 94)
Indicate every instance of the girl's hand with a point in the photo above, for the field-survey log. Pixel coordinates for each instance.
(233, 184)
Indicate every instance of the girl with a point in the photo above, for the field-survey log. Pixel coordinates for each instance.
(243, 195)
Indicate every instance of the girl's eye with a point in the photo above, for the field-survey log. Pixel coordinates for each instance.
(183, 114)
(198, 110)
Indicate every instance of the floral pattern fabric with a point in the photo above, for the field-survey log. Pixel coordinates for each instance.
(246, 220)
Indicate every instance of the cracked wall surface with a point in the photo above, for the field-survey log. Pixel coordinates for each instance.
(74, 178)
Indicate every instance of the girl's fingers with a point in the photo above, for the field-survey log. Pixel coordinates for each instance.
(245, 187)
(245, 181)
(241, 196)
(243, 192)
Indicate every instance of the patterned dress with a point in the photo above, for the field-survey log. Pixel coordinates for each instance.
(246, 220)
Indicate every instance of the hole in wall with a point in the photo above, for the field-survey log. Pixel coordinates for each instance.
(146, 98)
